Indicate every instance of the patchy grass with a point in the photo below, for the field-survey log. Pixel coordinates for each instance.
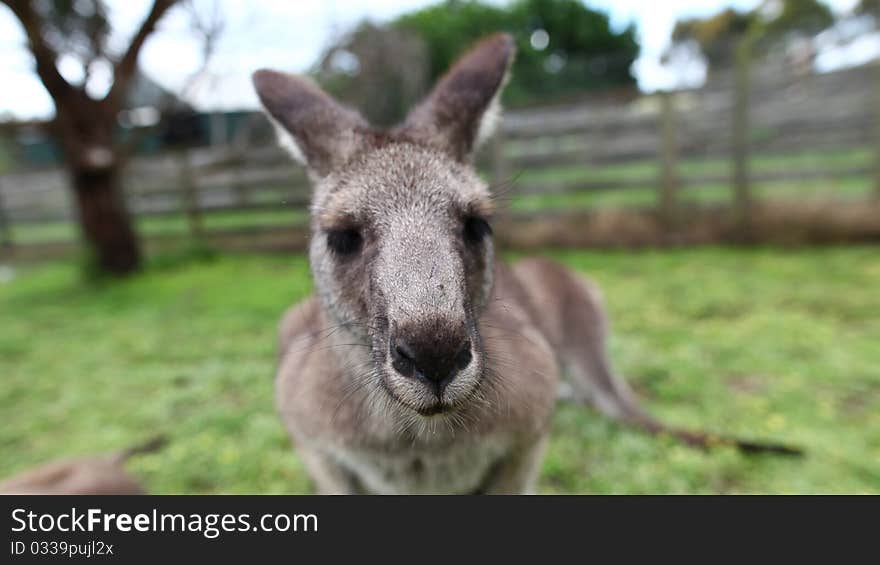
(766, 343)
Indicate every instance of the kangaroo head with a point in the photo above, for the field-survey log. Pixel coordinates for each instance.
(401, 248)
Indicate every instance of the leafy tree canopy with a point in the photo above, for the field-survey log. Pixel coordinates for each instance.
(771, 21)
(802, 17)
(564, 46)
(868, 7)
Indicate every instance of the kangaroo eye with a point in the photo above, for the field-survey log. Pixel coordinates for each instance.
(476, 229)
(344, 241)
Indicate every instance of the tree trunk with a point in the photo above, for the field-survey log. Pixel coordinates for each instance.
(86, 128)
(104, 221)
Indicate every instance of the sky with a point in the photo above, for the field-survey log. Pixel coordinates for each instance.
(290, 36)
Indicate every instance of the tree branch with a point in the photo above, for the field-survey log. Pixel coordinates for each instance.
(208, 30)
(127, 64)
(44, 55)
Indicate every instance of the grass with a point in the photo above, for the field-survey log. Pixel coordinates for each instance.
(765, 343)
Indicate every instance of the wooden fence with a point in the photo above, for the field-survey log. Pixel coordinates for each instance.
(674, 145)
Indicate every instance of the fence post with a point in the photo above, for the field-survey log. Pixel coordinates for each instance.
(669, 182)
(242, 188)
(741, 181)
(5, 227)
(190, 191)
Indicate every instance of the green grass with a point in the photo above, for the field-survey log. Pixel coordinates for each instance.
(768, 343)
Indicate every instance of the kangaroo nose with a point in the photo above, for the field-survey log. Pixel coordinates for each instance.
(435, 361)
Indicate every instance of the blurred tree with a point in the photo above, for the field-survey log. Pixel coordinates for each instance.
(715, 36)
(76, 35)
(382, 71)
(863, 20)
(78, 31)
(772, 22)
(798, 17)
(868, 8)
(563, 46)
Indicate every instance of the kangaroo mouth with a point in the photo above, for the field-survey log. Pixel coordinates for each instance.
(429, 406)
(437, 409)
(433, 409)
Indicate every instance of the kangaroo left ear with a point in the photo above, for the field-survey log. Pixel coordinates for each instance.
(313, 127)
(463, 109)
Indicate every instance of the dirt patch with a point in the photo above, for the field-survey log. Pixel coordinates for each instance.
(747, 384)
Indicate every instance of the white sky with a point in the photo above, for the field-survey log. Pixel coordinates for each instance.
(290, 36)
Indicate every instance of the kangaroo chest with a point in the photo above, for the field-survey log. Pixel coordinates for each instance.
(458, 468)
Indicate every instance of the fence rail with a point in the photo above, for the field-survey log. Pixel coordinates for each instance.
(744, 134)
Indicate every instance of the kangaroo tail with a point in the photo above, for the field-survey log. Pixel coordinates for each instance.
(706, 440)
(570, 313)
(154, 444)
(611, 395)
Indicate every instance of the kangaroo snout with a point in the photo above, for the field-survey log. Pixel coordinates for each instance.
(431, 354)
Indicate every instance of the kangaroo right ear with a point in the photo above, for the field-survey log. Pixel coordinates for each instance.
(311, 126)
(463, 108)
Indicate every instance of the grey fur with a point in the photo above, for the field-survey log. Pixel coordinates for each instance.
(103, 474)
(410, 195)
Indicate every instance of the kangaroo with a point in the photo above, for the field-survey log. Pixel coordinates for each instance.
(424, 364)
(103, 474)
